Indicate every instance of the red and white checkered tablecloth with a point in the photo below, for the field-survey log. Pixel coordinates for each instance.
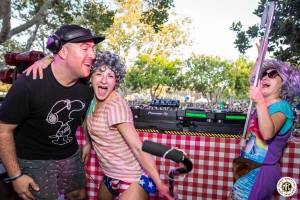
(211, 177)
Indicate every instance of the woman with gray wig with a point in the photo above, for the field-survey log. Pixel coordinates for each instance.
(129, 172)
(112, 61)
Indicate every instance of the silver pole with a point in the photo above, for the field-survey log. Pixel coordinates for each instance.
(266, 21)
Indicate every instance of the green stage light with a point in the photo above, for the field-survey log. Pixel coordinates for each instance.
(196, 115)
(235, 117)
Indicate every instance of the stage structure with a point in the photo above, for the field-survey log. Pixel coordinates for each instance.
(211, 140)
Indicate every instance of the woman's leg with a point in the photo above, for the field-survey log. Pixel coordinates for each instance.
(104, 193)
(135, 191)
(77, 194)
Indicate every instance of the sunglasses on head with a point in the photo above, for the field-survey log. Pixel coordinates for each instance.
(271, 74)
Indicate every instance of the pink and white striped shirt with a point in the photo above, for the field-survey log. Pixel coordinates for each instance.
(115, 156)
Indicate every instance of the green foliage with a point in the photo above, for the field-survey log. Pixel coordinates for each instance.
(129, 32)
(218, 79)
(238, 81)
(180, 81)
(152, 73)
(129, 36)
(208, 75)
(242, 41)
(61, 12)
(90, 14)
(97, 16)
(157, 13)
(284, 40)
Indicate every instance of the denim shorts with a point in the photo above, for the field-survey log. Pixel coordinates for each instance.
(55, 177)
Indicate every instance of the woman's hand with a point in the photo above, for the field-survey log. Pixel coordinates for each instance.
(85, 153)
(259, 47)
(255, 93)
(37, 68)
(164, 191)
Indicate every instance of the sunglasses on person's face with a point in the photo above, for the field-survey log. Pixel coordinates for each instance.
(271, 74)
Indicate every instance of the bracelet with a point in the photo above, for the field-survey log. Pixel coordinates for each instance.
(50, 58)
(10, 179)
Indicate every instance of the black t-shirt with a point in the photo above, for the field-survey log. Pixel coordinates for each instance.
(47, 115)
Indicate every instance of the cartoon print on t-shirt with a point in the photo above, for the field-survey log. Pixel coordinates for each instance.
(256, 147)
(61, 113)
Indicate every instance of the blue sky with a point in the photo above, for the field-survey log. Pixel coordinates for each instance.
(211, 20)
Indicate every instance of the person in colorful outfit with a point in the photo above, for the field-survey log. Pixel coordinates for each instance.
(114, 138)
(269, 129)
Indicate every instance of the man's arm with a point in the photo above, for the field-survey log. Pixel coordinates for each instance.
(8, 150)
(36, 69)
(20, 182)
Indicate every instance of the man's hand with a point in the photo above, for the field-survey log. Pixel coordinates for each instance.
(85, 153)
(21, 186)
(37, 68)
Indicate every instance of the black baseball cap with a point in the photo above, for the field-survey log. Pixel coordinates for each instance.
(74, 33)
(71, 33)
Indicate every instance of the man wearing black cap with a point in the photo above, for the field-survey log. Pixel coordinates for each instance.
(39, 118)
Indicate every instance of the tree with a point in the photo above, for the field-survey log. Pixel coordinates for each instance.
(157, 13)
(6, 14)
(130, 36)
(284, 38)
(32, 13)
(153, 73)
(238, 81)
(208, 75)
(97, 16)
(38, 18)
(34, 20)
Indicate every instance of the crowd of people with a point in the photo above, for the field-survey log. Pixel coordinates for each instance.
(238, 106)
(39, 118)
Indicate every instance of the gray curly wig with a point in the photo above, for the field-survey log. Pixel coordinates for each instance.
(112, 61)
(290, 76)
